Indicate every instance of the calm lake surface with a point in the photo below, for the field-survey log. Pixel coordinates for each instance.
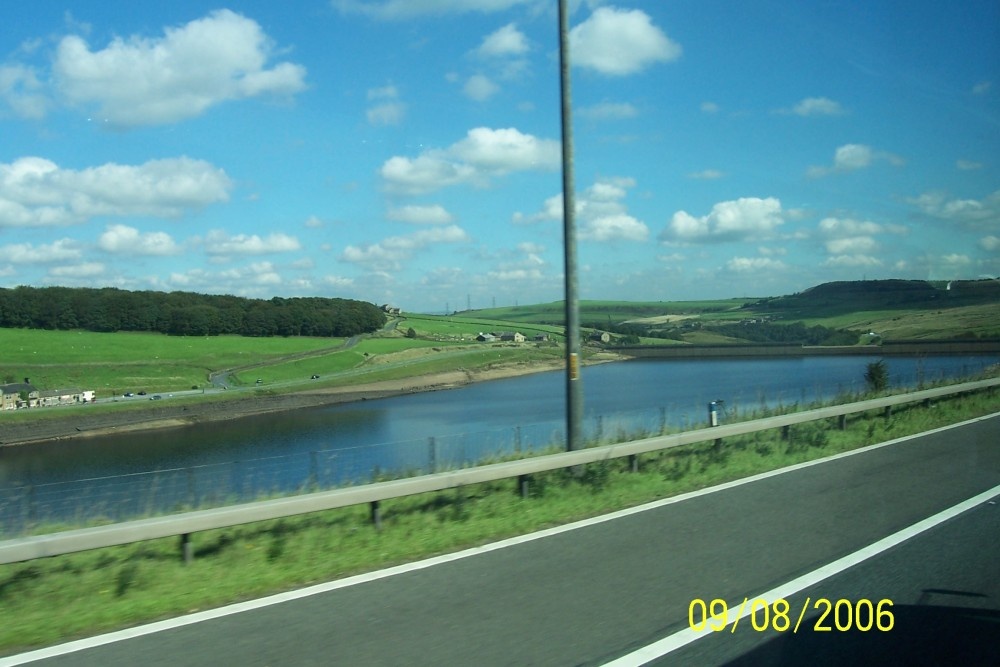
(353, 442)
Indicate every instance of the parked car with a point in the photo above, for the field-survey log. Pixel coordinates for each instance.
(127, 394)
(142, 393)
(155, 397)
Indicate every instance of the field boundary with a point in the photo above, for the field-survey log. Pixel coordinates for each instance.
(183, 525)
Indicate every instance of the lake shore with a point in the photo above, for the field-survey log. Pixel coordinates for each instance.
(162, 415)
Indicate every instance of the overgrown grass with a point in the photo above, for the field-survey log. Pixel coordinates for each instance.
(56, 599)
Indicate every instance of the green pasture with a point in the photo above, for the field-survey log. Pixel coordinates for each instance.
(113, 363)
(602, 311)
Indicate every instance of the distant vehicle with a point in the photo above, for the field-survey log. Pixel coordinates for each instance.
(155, 397)
(142, 393)
(314, 377)
(127, 394)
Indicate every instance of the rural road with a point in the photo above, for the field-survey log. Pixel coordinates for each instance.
(600, 592)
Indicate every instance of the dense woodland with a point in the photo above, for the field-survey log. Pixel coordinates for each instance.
(184, 313)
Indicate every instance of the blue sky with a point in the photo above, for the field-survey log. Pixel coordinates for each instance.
(407, 151)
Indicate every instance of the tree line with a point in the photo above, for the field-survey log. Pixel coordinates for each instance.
(184, 313)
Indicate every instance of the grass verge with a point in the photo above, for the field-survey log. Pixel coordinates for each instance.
(57, 599)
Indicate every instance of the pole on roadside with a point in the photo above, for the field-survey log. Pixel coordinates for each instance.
(574, 390)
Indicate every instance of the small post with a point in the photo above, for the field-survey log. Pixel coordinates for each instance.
(888, 411)
(187, 549)
(633, 462)
(523, 482)
(842, 422)
(786, 432)
(376, 513)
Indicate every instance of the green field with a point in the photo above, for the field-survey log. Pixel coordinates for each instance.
(112, 363)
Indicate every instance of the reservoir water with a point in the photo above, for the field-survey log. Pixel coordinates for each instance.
(118, 476)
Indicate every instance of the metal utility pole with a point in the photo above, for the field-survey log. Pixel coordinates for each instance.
(574, 390)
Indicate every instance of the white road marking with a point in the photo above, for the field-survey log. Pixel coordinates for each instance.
(684, 637)
(250, 605)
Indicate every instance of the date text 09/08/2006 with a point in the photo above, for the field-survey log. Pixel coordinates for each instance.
(834, 615)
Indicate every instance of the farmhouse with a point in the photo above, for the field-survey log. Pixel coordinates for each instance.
(510, 336)
(18, 395)
(26, 395)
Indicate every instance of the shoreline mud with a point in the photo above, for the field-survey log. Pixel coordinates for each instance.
(108, 421)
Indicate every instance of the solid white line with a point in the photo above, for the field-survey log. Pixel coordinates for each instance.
(684, 637)
(250, 605)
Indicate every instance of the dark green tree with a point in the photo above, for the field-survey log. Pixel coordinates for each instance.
(877, 376)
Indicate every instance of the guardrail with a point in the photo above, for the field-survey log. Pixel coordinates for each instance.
(183, 525)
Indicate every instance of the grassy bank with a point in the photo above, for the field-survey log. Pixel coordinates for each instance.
(57, 599)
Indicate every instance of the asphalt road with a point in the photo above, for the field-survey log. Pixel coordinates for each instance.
(593, 594)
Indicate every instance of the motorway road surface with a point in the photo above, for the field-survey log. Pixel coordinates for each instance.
(602, 591)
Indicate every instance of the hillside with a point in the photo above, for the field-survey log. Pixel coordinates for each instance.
(840, 313)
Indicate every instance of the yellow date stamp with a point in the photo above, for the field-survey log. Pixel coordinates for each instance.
(779, 616)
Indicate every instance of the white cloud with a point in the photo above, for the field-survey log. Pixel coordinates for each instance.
(747, 218)
(709, 107)
(752, 264)
(421, 215)
(480, 88)
(817, 106)
(982, 87)
(25, 253)
(22, 91)
(505, 42)
(619, 42)
(482, 154)
(990, 243)
(123, 239)
(389, 254)
(851, 157)
(153, 81)
(852, 243)
(971, 213)
(76, 271)
(36, 192)
(609, 111)
(601, 214)
(852, 261)
(218, 242)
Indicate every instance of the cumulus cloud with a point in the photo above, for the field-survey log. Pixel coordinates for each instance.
(22, 91)
(852, 243)
(26, 253)
(990, 243)
(37, 192)
(483, 153)
(971, 213)
(389, 254)
(851, 157)
(503, 43)
(420, 215)
(619, 42)
(122, 239)
(752, 264)
(153, 81)
(747, 218)
(218, 242)
(601, 213)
